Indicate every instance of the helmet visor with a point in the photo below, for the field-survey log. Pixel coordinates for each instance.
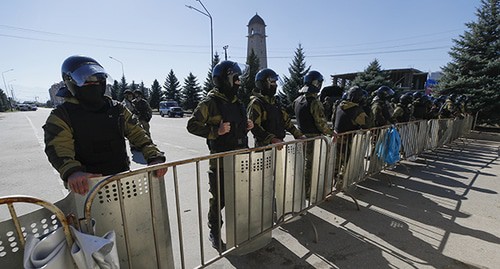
(88, 73)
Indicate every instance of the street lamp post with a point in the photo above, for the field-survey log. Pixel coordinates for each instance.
(5, 85)
(3, 77)
(206, 13)
(225, 51)
(123, 72)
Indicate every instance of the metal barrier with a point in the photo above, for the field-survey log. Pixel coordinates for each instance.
(38, 223)
(264, 188)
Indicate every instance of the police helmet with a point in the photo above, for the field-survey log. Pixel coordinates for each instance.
(264, 78)
(453, 97)
(384, 92)
(417, 95)
(355, 94)
(406, 99)
(77, 70)
(225, 73)
(313, 78)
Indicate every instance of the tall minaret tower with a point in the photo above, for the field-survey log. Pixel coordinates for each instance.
(257, 39)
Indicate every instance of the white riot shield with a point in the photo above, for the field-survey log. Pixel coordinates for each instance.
(289, 180)
(135, 208)
(248, 190)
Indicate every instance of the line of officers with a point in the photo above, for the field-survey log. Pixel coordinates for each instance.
(85, 136)
(223, 120)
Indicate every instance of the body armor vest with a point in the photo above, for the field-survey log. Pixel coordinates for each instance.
(274, 121)
(99, 139)
(234, 113)
(305, 120)
(344, 121)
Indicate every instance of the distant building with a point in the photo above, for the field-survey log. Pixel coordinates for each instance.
(257, 39)
(406, 78)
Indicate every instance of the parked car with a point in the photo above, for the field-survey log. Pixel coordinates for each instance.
(175, 111)
(23, 107)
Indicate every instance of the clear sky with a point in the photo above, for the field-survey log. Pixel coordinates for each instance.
(150, 37)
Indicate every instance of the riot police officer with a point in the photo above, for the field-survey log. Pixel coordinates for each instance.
(85, 136)
(380, 106)
(311, 118)
(270, 120)
(404, 110)
(220, 118)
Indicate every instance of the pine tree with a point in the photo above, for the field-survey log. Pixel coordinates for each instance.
(372, 77)
(190, 92)
(143, 89)
(133, 86)
(209, 85)
(248, 79)
(475, 66)
(154, 101)
(123, 87)
(115, 90)
(292, 84)
(172, 87)
(4, 101)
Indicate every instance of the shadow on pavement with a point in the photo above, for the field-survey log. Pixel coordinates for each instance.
(405, 225)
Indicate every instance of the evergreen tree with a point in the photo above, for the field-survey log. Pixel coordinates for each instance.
(475, 66)
(115, 90)
(190, 92)
(123, 86)
(172, 87)
(154, 101)
(292, 84)
(143, 89)
(4, 101)
(248, 79)
(134, 86)
(372, 78)
(209, 85)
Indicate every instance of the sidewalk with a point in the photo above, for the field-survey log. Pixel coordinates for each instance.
(441, 211)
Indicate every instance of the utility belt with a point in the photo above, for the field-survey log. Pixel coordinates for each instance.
(225, 145)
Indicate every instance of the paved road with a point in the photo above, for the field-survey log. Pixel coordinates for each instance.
(441, 211)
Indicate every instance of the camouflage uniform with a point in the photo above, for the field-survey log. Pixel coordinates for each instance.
(72, 145)
(143, 112)
(402, 113)
(270, 120)
(205, 122)
(312, 123)
(381, 112)
(350, 117)
(448, 110)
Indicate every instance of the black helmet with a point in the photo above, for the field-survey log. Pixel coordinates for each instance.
(418, 95)
(453, 97)
(127, 91)
(225, 73)
(264, 78)
(462, 99)
(313, 78)
(355, 94)
(137, 91)
(76, 70)
(384, 92)
(406, 99)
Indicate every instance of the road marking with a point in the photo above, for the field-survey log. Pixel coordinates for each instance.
(42, 145)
